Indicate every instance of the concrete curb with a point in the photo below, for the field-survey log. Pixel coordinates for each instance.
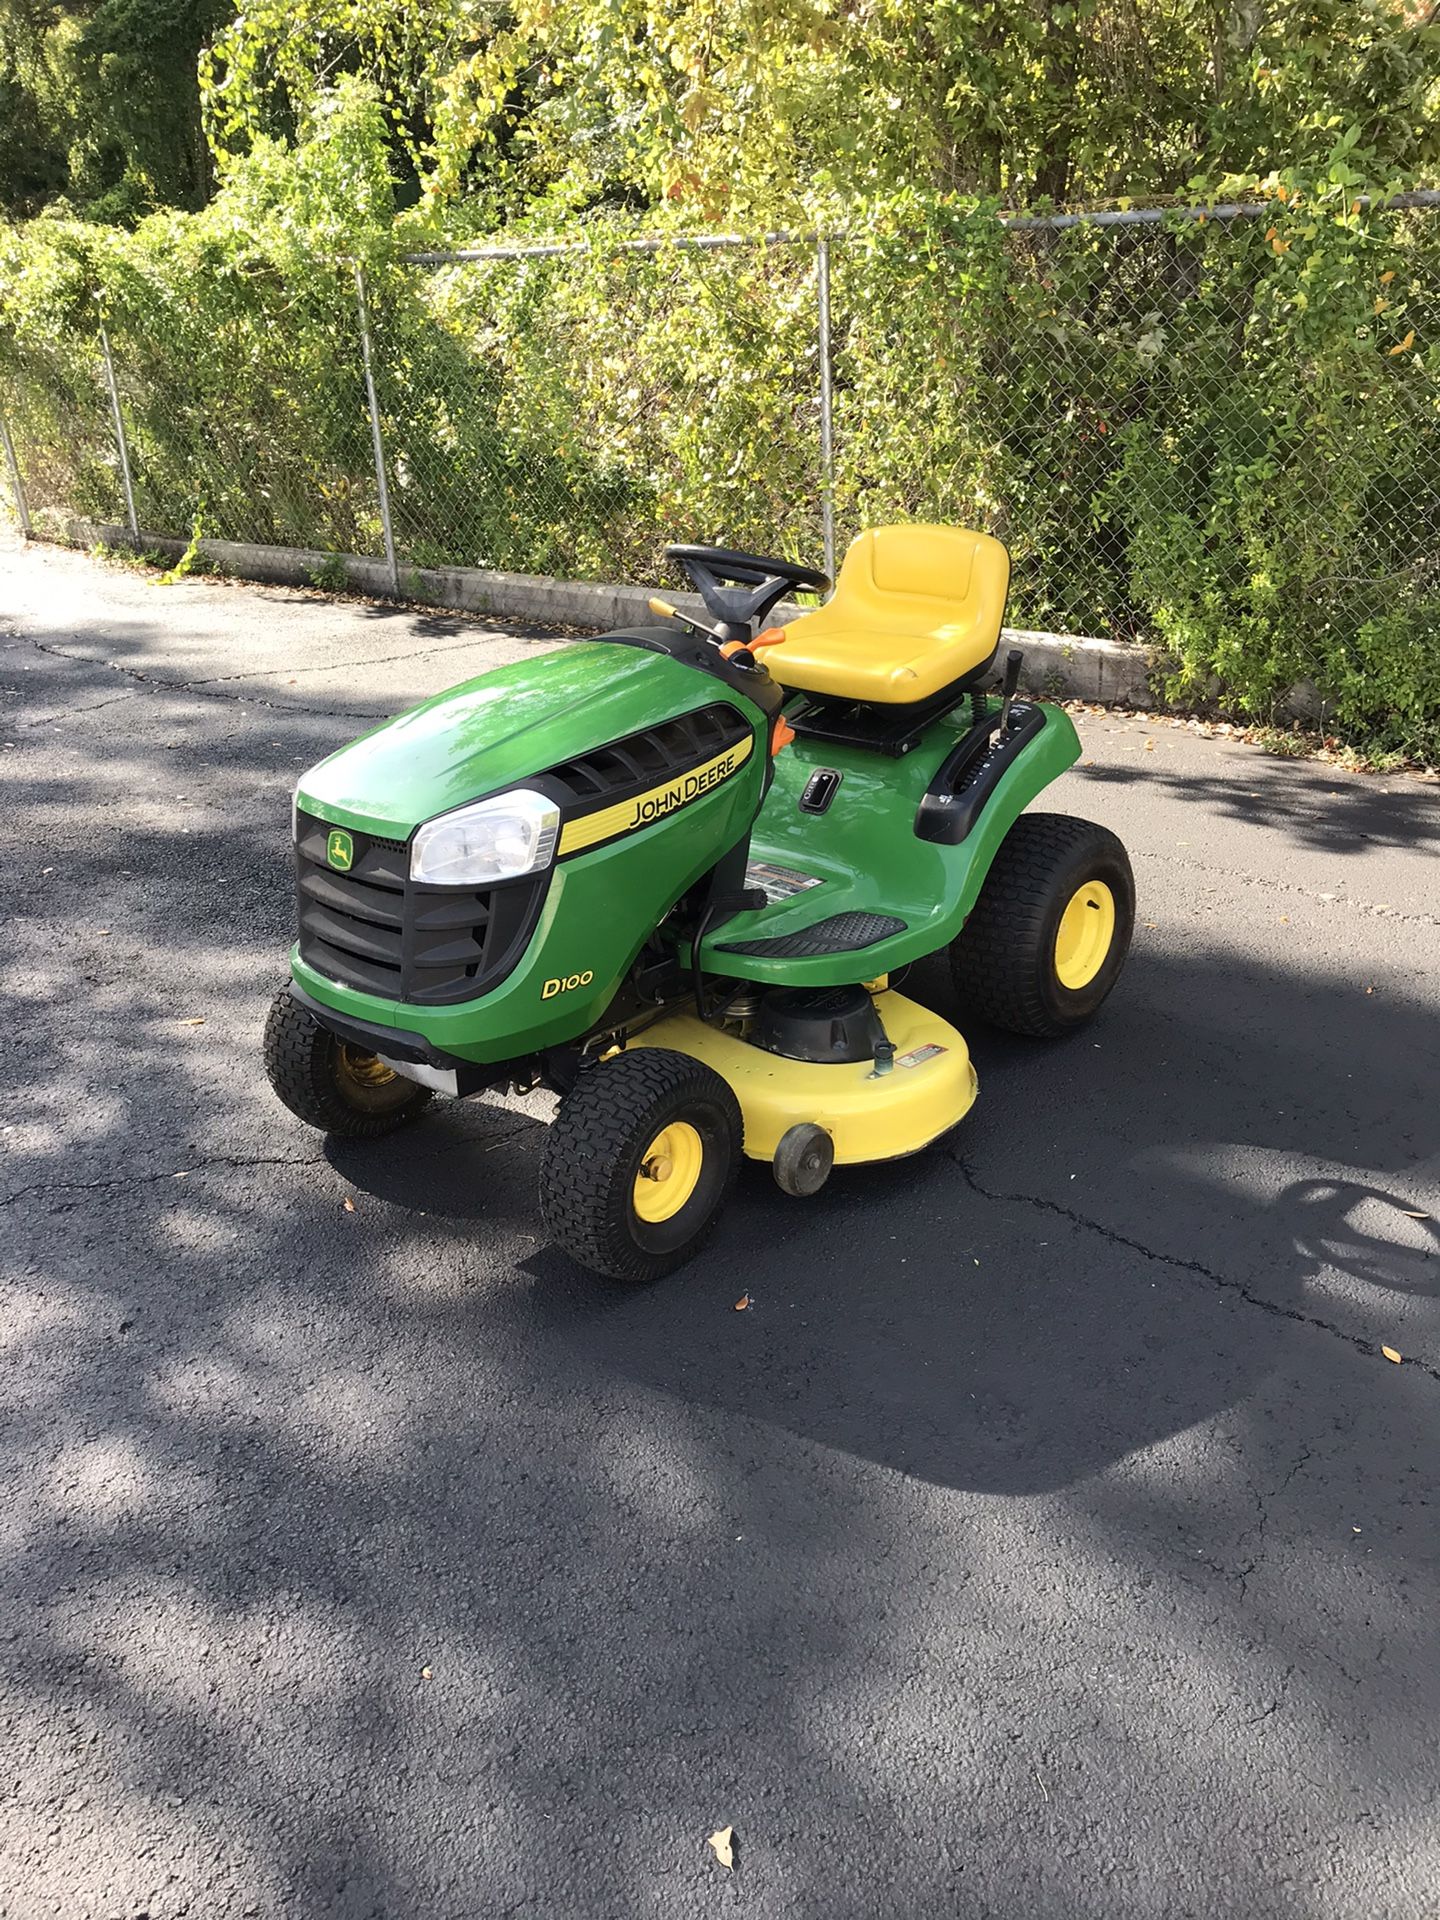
(1069, 665)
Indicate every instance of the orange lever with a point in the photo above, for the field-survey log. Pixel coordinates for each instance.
(772, 637)
(781, 734)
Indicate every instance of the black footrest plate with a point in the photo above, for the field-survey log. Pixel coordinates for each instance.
(841, 933)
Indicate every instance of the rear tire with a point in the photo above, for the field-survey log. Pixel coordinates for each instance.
(330, 1085)
(638, 1163)
(1047, 938)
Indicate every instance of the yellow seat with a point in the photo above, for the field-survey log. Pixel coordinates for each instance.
(915, 609)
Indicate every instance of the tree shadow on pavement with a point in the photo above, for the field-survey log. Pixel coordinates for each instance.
(1313, 806)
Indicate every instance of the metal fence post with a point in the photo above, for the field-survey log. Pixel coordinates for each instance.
(382, 486)
(17, 486)
(827, 407)
(120, 435)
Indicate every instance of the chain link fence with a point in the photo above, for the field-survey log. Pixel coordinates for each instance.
(1138, 403)
(1132, 409)
(554, 413)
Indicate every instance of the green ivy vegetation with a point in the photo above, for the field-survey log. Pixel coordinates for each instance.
(1220, 438)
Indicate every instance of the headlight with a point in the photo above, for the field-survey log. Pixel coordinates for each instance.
(495, 839)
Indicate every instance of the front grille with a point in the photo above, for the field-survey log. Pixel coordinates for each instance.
(644, 759)
(376, 929)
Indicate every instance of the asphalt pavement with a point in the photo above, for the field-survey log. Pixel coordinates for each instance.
(1050, 1538)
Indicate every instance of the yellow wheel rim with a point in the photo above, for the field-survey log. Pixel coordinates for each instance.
(1087, 928)
(669, 1172)
(365, 1069)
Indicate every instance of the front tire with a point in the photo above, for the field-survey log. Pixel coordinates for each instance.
(638, 1163)
(1047, 938)
(326, 1083)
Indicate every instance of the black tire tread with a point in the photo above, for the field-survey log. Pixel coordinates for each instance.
(1008, 922)
(299, 1056)
(585, 1176)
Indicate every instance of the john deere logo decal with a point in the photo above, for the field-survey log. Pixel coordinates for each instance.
(340, 849)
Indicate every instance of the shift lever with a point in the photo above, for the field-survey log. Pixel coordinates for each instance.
(1011, 681)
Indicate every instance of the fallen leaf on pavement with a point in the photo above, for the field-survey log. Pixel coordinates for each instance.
(198, 1022)
(740, 1305)
(349, 1204)
(1391, 1354)
(722, 1842)
(425, 1673)
(1414, 1216)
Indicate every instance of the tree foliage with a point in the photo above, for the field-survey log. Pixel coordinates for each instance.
(1224, 440)
(100, 105)
(746, 109)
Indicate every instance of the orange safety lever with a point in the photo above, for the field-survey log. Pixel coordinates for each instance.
(772, 637)
(781, 734)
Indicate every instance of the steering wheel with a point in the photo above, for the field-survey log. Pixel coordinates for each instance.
(768, 580)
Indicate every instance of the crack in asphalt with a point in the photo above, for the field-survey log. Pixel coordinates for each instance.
(386, 659)
(68, 713)
(200, 688)
(1361, 1345)
(153, 683)
(238, 1162)
(1370, 908)
(1257, 1533)
(233, 1161)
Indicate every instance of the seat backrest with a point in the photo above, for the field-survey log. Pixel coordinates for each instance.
(916, 573)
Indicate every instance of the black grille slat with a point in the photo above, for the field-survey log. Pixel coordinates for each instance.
(378, 944)
(447, 957)
(371, 927)
(381, 909)
(438, 912)
(351, 972)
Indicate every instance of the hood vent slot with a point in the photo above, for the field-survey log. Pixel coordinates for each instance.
(647, 758)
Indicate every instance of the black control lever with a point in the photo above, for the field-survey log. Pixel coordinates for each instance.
(668, 612)
(1013, 662)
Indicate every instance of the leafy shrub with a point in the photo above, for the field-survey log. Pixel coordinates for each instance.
(1220, 439)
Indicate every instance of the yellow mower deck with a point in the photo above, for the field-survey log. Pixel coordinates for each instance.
(869, 1116)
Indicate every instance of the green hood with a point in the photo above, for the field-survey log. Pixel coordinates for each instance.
(492, 731)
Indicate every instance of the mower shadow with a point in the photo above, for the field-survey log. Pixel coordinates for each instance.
(995, 1314)
(998, 1313)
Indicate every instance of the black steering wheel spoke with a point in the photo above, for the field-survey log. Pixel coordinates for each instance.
(740, 589)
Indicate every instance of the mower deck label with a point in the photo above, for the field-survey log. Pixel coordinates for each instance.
(628, 816)
(917, 1056)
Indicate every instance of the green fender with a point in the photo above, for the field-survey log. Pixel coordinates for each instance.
(863, 856)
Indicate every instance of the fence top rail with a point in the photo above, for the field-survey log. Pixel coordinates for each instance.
(656, 244)
(1012, 222)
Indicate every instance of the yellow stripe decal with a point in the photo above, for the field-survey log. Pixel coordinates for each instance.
(646, 808)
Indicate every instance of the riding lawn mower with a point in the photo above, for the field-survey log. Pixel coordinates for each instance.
(671, 873)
